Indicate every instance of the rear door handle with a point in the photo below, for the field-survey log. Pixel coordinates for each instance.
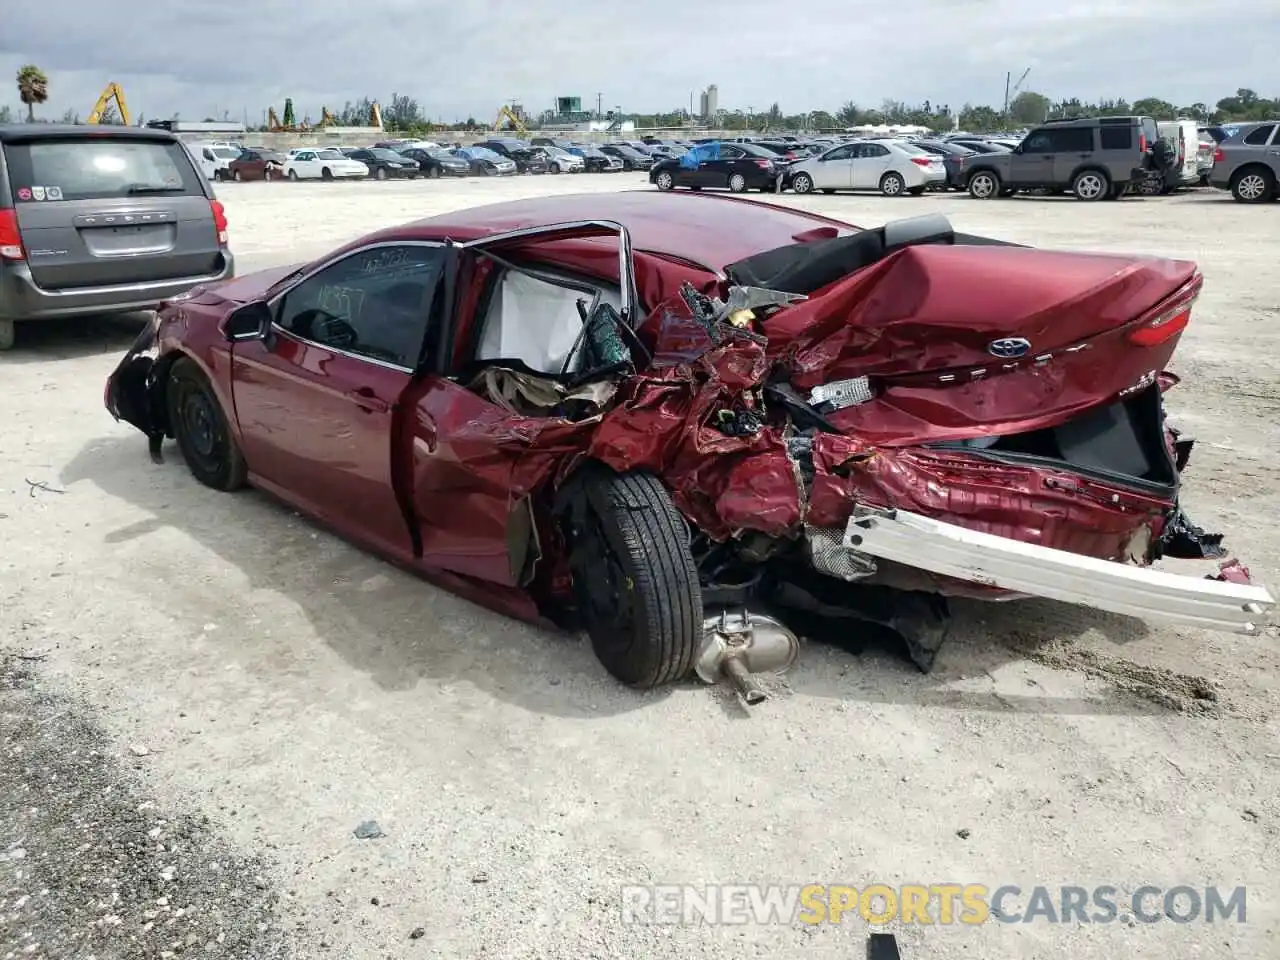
(366, 399)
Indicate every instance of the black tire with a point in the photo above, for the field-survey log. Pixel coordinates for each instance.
(326, 174)
(802, 183)
(555, 167)
(1253, 184)
(737, 183)
(237, 176)
(380, 173)
(635, 579)
(892, 184)
(293, 175)
(201, 428)
(665, 180)
(1090, 185)
(434, 173)
(984, 185)
(217, 176)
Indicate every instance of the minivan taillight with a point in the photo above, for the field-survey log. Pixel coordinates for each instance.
(219, 220)
(10, 236)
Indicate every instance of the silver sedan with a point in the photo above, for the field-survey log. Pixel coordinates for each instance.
(893, 167)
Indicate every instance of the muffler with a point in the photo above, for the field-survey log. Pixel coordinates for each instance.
(739, 644)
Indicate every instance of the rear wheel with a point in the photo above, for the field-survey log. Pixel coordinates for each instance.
(434, 173)
(984, 185)
(6, 334)
(634, 577)
(664, 180)
(892, 184)
(201, 428)
(237, 177)
(555, 168)
(1253, 185)
(737, 183)
(1090, 185)
(803, 183)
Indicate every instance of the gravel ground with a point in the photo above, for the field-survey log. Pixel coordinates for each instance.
(287, 688)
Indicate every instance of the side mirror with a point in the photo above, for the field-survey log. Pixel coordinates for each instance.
(250, 322)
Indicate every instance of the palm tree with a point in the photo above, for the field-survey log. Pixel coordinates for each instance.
(33, 88)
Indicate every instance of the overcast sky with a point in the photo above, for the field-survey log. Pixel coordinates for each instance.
(467, 58)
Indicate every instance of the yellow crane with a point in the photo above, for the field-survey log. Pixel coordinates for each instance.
(509, 115)
(110, 92)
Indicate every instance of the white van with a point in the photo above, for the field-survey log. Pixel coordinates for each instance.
(1185, 137)
(213, 159)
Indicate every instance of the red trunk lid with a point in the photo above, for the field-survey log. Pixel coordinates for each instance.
(968, 341)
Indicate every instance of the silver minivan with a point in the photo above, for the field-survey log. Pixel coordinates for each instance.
(101, 220)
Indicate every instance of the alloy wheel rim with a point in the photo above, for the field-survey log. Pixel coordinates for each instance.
(1252, 186)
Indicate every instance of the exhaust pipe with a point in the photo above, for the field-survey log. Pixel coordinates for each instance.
(738, 645)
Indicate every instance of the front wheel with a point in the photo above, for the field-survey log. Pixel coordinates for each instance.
(434, 173)
(7, 334)
(665, 181)
(892, 184)
(634, 577)
(293, 175)
(984, 185)
(201, 429)
(326, 174)
(803, 183)
(380, 174)
(555, 168)
(737, 183)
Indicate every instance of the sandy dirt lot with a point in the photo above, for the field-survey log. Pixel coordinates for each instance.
(218, 692)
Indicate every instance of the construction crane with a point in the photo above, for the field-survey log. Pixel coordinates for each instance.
(110, 92)
(1010, 94)
(510, 115)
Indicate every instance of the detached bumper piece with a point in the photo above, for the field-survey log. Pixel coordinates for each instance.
(953, 551)
(131, 395)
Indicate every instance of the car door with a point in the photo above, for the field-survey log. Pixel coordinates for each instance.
(834, 169)
(475, 464)
(1071, 147)
(870, 160)
(318, 398)
(304, 162)
(716, 172)
(1033, 159)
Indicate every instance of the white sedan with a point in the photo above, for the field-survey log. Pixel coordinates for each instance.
(893, 167)
(327, 164)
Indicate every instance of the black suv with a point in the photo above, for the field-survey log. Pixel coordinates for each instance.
(1096, 158)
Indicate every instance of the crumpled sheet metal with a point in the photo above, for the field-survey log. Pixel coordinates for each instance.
(664, 420)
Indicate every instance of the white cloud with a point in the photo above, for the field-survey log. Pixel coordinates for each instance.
(460, 59)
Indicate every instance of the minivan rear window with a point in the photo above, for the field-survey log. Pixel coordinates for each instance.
(97, 168)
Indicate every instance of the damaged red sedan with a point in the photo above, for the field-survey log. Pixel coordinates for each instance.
(694, 426)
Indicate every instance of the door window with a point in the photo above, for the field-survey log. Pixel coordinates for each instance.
(839, 153)
(732, 153)
(1038, 142)
(375, 303)
(871, 151)
(1260, 136)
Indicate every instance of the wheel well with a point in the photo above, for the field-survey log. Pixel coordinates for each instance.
(986, 170)
(160, 389)
(1091, 168)
(1254, 167)
(894, 173)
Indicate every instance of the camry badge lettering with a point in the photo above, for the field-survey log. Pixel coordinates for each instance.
(1009, 347)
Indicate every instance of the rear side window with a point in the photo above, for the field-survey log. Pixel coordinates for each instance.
(1260, 136)
(1071, 139)
(1117, 138)
(98, 168)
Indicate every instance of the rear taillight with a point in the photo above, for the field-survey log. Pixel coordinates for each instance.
(921, 161)
(219, 220)
(1219, 156)
(10, 237)
(1169, 319)
(764, 164)
(1142, 143)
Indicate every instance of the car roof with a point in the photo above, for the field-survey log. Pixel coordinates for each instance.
(16, 132)
(695, 227)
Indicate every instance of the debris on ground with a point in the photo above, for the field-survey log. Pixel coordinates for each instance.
(369, 830)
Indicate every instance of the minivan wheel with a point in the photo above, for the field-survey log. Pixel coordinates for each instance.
(737, 183)
(1090, 185)
(380, 174)
(892, 184)
(665, 180)
(984, 185)
(1253, 186)
(201, 428)
(6, 334)
(803, 183)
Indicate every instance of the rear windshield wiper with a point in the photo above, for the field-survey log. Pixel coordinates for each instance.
(135, 188)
